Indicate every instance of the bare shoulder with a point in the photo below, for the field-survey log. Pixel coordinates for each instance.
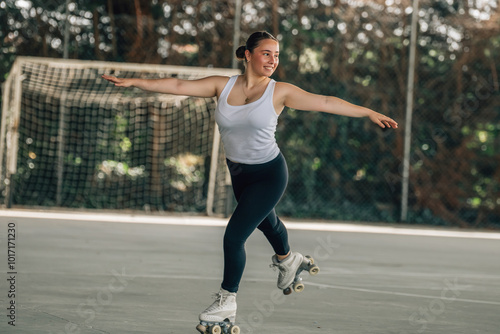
(213, 80)
(209, 86)
(284, 89)
(219, 81)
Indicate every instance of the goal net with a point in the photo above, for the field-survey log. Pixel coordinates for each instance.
(71, 139)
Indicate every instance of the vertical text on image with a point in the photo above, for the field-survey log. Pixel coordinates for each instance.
(11, 272)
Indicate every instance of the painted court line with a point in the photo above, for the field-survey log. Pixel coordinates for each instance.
(324, 286)
(404, 294)
(220, 222)
(342, 287)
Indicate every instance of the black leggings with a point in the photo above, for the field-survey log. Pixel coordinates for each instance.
(258, 188)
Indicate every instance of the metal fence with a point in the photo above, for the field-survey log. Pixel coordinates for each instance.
(431, 65)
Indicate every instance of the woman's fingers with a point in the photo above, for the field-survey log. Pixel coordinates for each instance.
(115, 80)
(383, 121)
(389, 122)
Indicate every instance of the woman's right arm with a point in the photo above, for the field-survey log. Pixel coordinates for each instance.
(206, 87)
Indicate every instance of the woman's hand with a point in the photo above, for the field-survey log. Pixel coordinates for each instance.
(382, 120)
(120, 82)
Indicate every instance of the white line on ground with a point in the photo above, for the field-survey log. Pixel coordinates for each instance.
(321, 286)
(218, 222)
(326, 286)
(349, 288)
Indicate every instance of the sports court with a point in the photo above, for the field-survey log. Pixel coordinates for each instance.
(109, 273)
(111, 196)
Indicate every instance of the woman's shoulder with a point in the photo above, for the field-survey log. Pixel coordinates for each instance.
(282, 87)
(219, 81)
(219, 78)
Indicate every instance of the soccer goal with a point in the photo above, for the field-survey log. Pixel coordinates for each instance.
(71, 139)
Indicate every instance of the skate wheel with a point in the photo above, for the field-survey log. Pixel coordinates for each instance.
(298, 287)
(202, 329)
(311, 260)
(234, 330)
(314, 270)
(287, 291)
(215, 329)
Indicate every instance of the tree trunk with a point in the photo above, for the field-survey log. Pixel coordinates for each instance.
(136, 53)
(112, 23)
(97, 35)
(275, 14)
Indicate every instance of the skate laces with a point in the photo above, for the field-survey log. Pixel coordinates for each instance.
(279, 266)
(220, 298)
(276, 266)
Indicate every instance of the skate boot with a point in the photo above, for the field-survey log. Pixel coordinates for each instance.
(290, 269)
(220, 316)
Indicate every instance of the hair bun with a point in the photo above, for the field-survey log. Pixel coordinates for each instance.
(240, 52)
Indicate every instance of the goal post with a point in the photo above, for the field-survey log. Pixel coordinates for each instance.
(8, 132)
(69, 138)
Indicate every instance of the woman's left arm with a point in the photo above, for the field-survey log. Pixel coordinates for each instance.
(294, 97)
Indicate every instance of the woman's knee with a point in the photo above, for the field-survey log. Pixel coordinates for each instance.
(233, 242)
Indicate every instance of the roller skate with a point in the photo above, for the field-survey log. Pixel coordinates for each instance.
(219, 317)
(290, 269)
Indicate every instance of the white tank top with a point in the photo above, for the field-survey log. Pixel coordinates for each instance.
(248, 131)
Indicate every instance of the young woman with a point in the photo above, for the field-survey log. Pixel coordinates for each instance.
(247, 113)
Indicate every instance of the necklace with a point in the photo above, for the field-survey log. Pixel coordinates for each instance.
(247, 99)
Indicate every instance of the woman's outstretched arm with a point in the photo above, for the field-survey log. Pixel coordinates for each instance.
(205, 87)
(297, 98)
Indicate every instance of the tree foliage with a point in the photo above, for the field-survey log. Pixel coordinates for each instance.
(358, 50)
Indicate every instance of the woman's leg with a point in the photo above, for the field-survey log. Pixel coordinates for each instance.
(276, 233)
(258, 188)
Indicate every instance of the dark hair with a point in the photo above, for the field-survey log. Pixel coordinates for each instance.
(253, 42)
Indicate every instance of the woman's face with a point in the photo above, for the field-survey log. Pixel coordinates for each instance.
(265, 58)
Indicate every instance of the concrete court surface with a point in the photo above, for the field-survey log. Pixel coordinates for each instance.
(78, 276)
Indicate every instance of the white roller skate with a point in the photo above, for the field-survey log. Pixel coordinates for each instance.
(220, 316)
(290, 268)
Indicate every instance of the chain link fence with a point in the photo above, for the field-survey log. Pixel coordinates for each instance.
(340, 168)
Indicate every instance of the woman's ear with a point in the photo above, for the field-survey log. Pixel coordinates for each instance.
(248, 55)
